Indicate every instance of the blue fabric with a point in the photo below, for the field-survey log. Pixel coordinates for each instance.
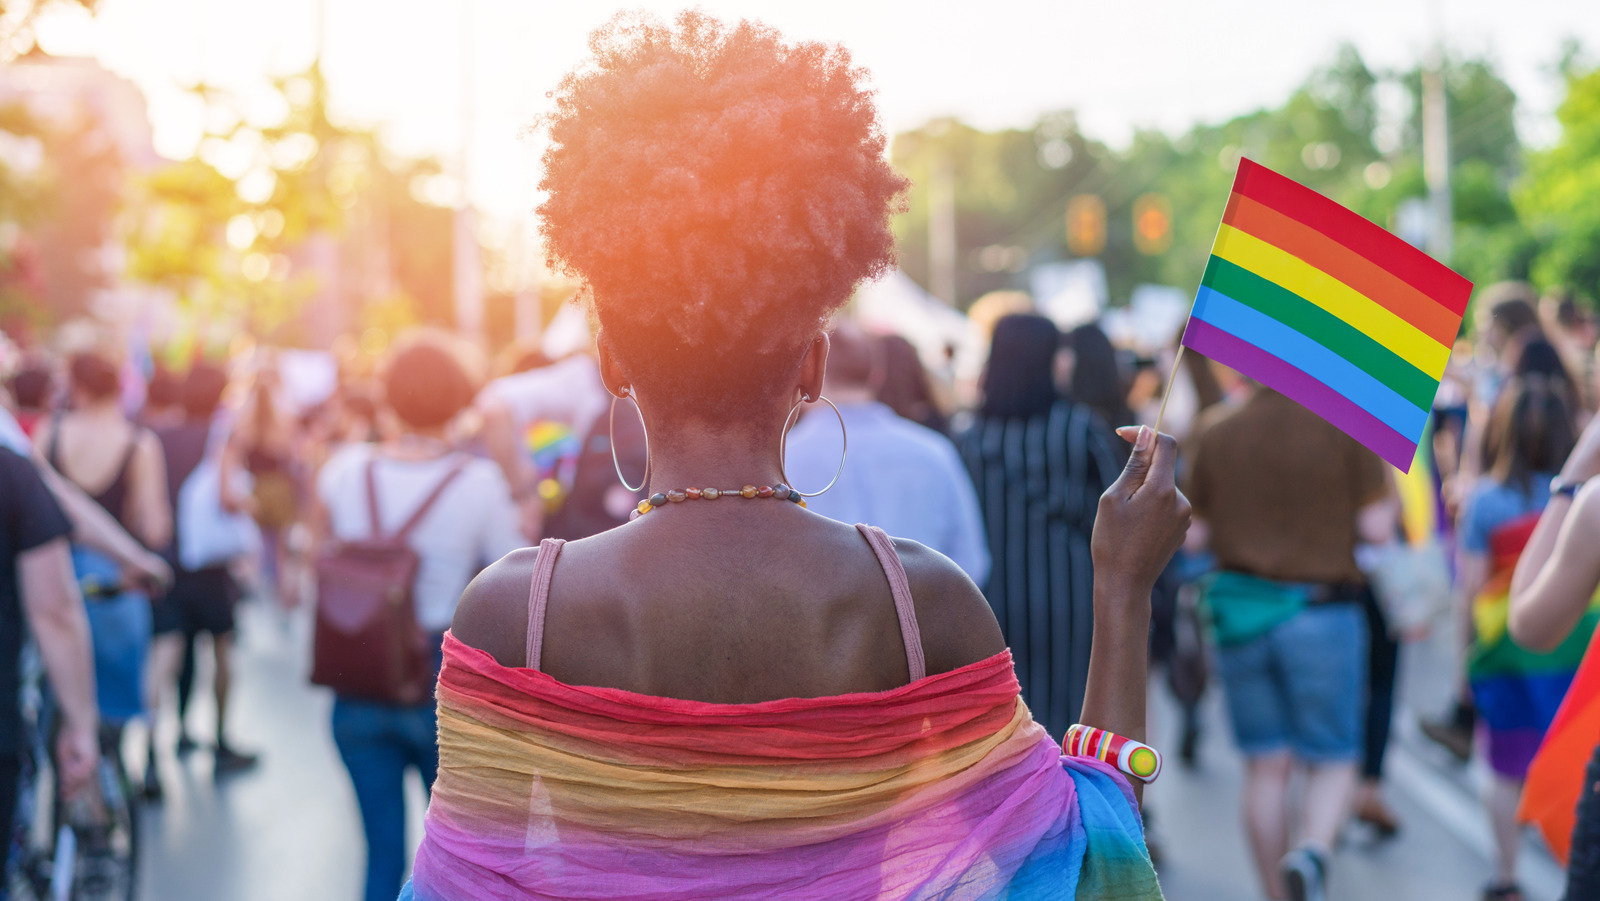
(119, 628)
(904, 478)
(1301, 686)
(1492, 504)
(377, 743)
(1312, 358)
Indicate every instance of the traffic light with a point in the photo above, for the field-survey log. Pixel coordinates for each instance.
(1152, 224)
(1086, 225)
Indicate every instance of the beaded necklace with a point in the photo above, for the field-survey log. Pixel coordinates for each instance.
(679, 495)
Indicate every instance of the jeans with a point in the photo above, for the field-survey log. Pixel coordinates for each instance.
(1302, 686)
(377, 742)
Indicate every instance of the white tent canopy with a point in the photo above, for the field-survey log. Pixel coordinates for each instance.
(946, 339)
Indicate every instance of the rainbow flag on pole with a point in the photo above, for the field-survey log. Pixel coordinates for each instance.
(1309, 298)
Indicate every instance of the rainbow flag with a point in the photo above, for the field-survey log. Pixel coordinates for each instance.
(1309, 298)
(1517, 691)
(943, 788)
(1556, 778)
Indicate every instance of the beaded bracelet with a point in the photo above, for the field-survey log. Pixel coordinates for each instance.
(1140, 761)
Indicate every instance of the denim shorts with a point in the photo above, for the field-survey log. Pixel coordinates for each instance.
(1301, 686)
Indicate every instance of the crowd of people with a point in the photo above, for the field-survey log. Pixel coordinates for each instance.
(137, 510)
(1008, 490)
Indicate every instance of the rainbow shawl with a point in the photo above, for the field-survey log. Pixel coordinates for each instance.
(943, 788)
(1517, 691)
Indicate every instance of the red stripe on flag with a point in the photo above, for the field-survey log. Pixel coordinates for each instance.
(1322, 252)
(1388, 251)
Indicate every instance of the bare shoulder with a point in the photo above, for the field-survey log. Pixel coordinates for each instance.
(493, 613)
(958, 626)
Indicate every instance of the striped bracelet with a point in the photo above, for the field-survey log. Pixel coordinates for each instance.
(1137, 760)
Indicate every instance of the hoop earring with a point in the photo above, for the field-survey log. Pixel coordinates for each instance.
(612, 437)
(783, 445)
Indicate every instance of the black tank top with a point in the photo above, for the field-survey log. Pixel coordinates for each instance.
(115, 496)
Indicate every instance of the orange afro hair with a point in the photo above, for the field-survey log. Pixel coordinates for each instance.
(721, 192)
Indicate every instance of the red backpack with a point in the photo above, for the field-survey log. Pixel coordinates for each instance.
(367, 643)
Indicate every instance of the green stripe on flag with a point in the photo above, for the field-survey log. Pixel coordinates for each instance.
(1323, 327)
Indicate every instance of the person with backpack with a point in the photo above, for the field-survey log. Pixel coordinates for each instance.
(402, 525)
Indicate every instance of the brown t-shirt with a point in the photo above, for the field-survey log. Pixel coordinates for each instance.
(1280, 489)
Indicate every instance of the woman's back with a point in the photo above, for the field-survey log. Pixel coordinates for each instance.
(96, 454)
(739, 602)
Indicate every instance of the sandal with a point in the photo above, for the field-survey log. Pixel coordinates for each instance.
(1504, 891)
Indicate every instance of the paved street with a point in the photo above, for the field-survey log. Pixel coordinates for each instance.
(289, 829)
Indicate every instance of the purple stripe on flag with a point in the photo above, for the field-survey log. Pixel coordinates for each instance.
(1235, 352)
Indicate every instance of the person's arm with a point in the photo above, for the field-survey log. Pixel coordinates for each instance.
(1140, 524)
(93, 527)
(1559, 570)
(150, 512)
(54, 610)
(230, 462)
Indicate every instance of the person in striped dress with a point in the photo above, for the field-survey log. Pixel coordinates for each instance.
(1039, 462)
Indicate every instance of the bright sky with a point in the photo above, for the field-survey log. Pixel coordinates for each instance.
(1121, 65)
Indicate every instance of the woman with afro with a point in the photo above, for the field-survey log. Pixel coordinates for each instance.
(732, 697)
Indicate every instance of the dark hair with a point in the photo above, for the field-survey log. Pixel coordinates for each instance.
(164, 389)
(1568, 314)
(1514, 314)
(425, 383)
(1096, 378)
(94, 375)
(33, 386)
(851, 356)
(202, 391)
(1538, 356)
(1019, 380)
(720, 192)
(904, 386)
(1531, 430)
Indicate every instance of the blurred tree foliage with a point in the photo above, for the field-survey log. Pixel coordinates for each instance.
(17, 19)
(267, 218)
(1349, 131)
(1560, 196)
(60, 188)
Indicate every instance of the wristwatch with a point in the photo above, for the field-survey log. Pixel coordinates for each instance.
(1560, 487)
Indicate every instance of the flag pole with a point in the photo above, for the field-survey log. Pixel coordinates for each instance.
(1168, 396)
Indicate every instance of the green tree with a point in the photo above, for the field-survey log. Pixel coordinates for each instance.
(1559, 197)
(250, 246)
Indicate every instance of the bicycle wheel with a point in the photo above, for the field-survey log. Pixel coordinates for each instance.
(107, 839)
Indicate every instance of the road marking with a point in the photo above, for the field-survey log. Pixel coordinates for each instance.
(1462, 815)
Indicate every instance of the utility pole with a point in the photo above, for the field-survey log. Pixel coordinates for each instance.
(467, 272)
(942, 244)
(1436, 156)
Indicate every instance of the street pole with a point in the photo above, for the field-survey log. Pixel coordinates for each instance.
(942, 244)
(467, 271)
(1436, 157)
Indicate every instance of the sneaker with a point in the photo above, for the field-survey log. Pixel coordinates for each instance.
(1305, 875)
(1449, 735)
(186, 745)
(1375, 813)
(230, 761)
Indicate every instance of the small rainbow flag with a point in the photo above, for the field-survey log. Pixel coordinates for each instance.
(1333, 311)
